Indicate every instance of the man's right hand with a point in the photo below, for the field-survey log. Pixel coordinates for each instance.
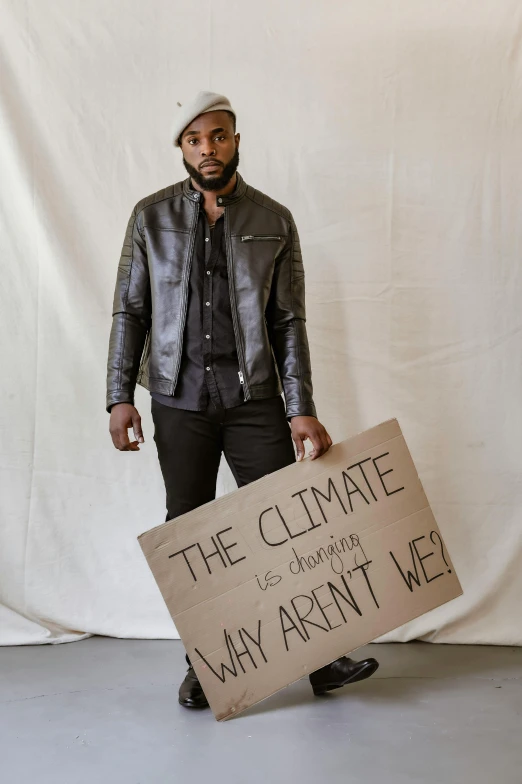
(123, 417)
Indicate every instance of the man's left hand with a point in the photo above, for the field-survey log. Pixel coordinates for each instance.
(304, 427)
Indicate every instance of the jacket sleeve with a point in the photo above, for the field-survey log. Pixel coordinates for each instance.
(286, 317)
(131, 316)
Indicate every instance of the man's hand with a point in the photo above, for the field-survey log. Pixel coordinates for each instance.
(304, 427)
(124, 416)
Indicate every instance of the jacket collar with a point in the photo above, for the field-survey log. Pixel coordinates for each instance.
(221, 201)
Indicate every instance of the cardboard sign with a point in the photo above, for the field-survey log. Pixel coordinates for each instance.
(282, 576)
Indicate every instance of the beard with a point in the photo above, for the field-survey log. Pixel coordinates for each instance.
(218, 181)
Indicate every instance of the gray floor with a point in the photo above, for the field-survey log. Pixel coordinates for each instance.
(105, 710)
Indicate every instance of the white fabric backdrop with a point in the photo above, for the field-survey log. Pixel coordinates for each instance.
(392, 131)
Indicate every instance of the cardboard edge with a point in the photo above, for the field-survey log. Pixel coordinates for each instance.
(233, 714)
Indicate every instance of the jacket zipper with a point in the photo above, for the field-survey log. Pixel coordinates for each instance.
(250, 237)
(183, 304)
(232, 292)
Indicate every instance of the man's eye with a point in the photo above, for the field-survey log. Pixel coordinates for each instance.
(195, 140)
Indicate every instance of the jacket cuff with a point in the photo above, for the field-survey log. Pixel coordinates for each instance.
(118, 396)
(305, 409)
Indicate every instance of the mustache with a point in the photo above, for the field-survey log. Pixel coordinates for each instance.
(219, 177)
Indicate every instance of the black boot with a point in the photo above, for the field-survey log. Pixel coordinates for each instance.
(191, 694)
(340, 672)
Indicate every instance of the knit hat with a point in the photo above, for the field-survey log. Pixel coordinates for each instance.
(203, 102)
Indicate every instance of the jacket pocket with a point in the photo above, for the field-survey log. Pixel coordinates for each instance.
(251, 237)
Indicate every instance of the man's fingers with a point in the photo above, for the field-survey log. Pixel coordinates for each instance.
(322, 443)
(298, 441)
(133, 447)
(318, 449)
(136, 426)
(130, 446)
(123, 417)
(117, 440)
(121, 441)
(308, 427)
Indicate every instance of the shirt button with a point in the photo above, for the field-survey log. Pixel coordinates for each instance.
(208, 368)
(207, 303)
(220, 200)
(208, 273)
(207, 336)
(206, 239)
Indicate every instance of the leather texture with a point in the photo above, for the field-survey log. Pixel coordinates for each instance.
(191, 694)
(267, 296)
(341, 672)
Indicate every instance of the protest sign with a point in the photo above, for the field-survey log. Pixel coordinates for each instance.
(278, 578)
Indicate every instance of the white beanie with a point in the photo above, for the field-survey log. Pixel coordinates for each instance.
(202, 103)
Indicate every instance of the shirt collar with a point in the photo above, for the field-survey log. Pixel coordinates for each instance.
(221, 201)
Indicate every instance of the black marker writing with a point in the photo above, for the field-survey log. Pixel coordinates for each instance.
(412, 577)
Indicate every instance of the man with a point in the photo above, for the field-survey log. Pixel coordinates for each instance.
(209, 316)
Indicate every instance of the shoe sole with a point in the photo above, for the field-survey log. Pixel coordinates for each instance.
(365, 672)
(194, 707)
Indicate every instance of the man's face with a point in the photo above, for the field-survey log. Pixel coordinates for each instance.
(210, 139)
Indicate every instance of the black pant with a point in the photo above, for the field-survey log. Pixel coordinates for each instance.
(255, 438)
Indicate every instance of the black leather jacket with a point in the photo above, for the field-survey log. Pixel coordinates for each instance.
(267, 296)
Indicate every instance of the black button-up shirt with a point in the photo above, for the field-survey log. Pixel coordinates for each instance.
(209, 369)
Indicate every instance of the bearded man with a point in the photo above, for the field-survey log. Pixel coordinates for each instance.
(209, 316)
